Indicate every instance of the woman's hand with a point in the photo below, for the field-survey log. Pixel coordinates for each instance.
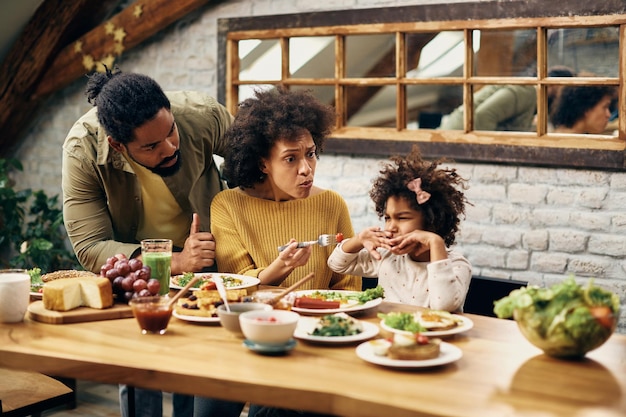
(288, 260)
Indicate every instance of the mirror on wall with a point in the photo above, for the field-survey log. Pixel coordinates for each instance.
(404, 76)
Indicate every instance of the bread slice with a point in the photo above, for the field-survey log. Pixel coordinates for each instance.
(406, 348)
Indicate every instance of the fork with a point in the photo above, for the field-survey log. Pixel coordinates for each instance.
(322, 240)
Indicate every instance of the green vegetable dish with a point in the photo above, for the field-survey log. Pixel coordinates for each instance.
(565, 320)
(337, 325)
(361, 297)
(402, 321)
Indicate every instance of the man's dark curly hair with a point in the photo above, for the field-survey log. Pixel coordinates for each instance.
(447, 201)
(574, 101)
(270, 116)
(125, 101)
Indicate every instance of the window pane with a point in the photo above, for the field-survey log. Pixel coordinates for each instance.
(371, 106)
(247, 91)
(499, 107)
(585, 109)
(259, 60)
(435, 54)
(427, 104)
(371, 56)
(324, 93)
(585, 50)
(312, 57)
(505, 53)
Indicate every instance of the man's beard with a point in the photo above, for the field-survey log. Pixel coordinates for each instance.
(167, 171)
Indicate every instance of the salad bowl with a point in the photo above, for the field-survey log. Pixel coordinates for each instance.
(566, 320)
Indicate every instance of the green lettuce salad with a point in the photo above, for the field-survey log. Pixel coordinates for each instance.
(566, 319)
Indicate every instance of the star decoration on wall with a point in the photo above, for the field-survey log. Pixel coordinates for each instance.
(78, 47)
(138, 11)
(118, 48)
(107, 61)
(119, 35)
(88, 62)
(109, 28)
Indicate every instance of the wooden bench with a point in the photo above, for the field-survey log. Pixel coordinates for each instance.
(31, 393)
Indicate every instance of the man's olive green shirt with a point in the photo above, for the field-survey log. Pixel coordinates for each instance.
(102, 196)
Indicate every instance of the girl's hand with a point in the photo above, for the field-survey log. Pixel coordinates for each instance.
(418, 243)
(373, 238)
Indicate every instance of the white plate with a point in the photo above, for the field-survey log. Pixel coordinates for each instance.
(449, 353)
(463, 327)
(196, 319)
(307, 324)
(246, 280)
(345, 309)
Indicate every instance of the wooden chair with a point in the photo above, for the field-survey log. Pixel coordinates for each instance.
(31, 393)
(483, 292)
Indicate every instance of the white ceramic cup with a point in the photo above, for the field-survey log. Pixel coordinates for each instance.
(14, 295)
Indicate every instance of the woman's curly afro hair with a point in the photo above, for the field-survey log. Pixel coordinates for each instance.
(271, 115)
(442, 211)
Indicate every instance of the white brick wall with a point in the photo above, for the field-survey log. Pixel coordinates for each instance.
(535, 224)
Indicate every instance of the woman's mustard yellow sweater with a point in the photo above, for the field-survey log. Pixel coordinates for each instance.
(249, 230)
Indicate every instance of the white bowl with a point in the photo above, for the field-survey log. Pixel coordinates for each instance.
(274, 327)
(230, 319)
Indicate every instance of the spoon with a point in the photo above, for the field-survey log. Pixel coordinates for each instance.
(183, 291)
(290, 289)
(219, 283)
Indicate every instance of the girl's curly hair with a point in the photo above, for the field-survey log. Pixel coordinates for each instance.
(270, 116)
(447, 201)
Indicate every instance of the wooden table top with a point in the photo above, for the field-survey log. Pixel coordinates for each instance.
(500, 373)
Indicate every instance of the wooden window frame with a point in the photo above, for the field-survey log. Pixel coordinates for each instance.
(517, 148)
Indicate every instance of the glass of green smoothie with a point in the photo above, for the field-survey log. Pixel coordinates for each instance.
(157, 254)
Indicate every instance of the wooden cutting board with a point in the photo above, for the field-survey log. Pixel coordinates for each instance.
(37, 312)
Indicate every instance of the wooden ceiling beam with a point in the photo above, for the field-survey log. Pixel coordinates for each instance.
(59, 65)
(53, 24)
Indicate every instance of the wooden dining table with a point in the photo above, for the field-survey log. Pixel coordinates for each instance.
(499, 374)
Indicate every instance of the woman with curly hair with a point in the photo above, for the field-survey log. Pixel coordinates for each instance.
(421, 204)
(274, 144)
(583, 109)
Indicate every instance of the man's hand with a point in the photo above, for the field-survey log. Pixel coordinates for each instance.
(198, 253)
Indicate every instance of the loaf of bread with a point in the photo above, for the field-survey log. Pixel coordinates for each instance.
(66, 294)
(66, 273)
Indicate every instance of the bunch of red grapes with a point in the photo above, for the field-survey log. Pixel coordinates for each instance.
(130, 278)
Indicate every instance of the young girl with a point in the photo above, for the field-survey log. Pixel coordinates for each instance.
(421, 205)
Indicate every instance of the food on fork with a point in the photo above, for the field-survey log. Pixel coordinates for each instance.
(64, 294)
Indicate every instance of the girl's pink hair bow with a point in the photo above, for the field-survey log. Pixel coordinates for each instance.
(416, 186)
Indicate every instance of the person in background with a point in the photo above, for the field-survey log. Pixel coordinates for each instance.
(140, 165)
(498, 107)
(275, 143)
(421, 205)
(506, 107)
(582, 109)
